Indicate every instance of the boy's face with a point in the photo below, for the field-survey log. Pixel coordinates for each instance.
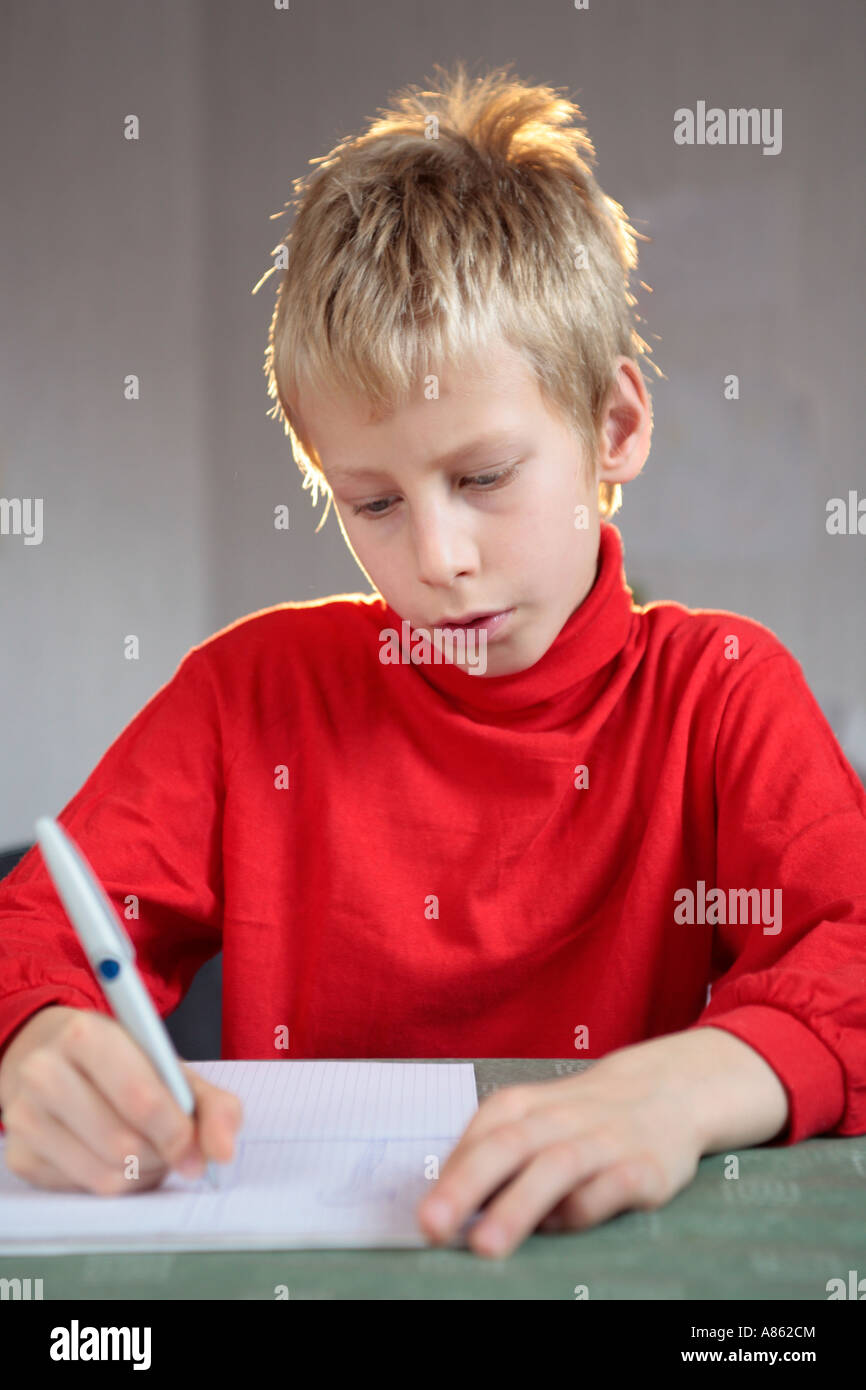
(488, 533)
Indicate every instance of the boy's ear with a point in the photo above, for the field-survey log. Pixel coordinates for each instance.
(626, 426)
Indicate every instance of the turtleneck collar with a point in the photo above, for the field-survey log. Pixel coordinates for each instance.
(590, 638)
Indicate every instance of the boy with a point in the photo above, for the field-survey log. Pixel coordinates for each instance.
(573, 850)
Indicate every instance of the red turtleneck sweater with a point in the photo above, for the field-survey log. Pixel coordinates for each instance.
(396, 861)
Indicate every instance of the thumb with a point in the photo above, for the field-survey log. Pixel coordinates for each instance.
(218, 1117)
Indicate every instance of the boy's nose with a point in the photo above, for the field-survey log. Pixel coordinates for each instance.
(443, 554)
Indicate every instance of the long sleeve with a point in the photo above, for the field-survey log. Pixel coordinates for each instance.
(149, 820)
(791, 820)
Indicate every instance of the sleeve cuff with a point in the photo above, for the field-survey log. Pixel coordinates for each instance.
(812, 1075)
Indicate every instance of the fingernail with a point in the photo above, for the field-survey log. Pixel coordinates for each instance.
(191, 1167)
(490, 1238)
(439, 1214)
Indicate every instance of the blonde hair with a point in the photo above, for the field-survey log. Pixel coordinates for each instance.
(462, 217)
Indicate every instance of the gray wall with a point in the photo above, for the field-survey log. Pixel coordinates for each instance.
(140, 257)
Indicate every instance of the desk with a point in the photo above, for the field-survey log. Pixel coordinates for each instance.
(792, 1220)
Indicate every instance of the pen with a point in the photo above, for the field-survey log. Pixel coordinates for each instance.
(111, 954)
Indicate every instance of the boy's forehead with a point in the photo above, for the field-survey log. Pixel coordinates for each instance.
(324, 412)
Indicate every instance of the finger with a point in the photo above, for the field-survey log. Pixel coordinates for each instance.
(62, 1092)
(555, 1219)
(510, 1103)
(28, 1166)
(219, 1116)
(549, 1177)
(131, 1084)
(43, 1173)
(41, 1134)
(487, 1164)
(637, 1182)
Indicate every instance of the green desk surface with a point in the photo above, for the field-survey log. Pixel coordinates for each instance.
(792, 1220)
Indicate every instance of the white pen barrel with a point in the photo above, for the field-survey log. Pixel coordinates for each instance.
(133, 1005)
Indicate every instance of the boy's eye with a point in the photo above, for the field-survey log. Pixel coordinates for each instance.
(486, 481)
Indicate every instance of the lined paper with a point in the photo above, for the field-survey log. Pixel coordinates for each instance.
(330, 1154)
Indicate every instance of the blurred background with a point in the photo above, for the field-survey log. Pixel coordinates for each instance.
(139, 256)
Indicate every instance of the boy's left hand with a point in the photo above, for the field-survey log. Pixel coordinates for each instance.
(577, 1150)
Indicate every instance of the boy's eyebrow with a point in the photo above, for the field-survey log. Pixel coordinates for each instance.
(462, 454)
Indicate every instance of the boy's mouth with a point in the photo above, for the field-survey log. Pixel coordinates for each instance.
(479, 622)
(469, 620)
(464, 622)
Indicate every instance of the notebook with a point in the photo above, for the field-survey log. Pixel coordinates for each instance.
(330, 1154)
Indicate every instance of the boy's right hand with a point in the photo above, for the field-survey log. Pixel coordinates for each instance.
(79, 1097)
